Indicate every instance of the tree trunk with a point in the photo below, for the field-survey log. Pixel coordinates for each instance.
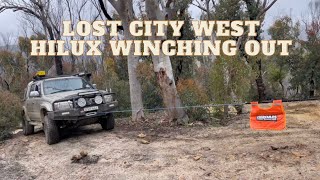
(163, 69)
(165, 78)
(58, 62)
(57, 59)
(261, 88)
(125, 11)
(256, 11)
(135, 85)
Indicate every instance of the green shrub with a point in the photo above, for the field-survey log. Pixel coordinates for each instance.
(229, 80)
(151, 93)
(109, 79)
(10, 113)
(122, 90)
(192, 94)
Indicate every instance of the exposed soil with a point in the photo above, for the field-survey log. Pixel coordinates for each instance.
(157, 150)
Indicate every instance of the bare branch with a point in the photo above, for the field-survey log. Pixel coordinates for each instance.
(266, 9)
(203, 9)
(17, 8)
(105, 12)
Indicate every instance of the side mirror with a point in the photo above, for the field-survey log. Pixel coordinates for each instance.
(34, 94)
(94, 86)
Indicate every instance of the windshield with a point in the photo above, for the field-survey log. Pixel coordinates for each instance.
(66, 84)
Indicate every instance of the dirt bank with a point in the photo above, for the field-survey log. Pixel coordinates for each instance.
(193, 152)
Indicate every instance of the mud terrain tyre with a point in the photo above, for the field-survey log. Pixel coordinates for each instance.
(28, 129)
(51, 131)
(107, 123)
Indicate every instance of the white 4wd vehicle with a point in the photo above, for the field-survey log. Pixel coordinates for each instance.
(67, 101)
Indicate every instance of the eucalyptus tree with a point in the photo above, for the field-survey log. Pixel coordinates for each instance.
(162, 64)
(49, 13)
(125, 10)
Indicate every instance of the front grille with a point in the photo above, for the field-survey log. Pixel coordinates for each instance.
(89, 99)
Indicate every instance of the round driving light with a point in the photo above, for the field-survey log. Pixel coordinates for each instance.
(108, 98)
(82, 102)
(98, 100)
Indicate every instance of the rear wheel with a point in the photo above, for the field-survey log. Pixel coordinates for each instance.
(51, 131)
(107, 123)
(28, 129)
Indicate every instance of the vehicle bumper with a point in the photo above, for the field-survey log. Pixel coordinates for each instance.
(79, 113)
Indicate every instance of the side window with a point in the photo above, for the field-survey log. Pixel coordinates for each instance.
(38, 88)
(35, 87)
(32, 88)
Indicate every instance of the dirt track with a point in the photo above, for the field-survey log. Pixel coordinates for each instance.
(198, 152)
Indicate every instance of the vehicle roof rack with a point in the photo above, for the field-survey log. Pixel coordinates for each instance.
(41, 75)
(84, 75)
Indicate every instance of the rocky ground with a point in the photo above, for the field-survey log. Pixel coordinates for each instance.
(149, 150)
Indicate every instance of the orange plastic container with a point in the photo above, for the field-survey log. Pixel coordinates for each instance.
(273, 118)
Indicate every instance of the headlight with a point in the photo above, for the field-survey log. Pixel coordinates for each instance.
(108, 98)
(98, 100)
(62, 106)
(82, 102)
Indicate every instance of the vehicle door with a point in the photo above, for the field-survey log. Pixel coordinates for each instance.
(37, 102)
(30, 102)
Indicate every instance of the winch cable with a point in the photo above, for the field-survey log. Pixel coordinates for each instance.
(209, 106)
(183, 107)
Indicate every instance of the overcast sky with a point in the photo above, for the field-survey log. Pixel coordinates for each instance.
(9, 22)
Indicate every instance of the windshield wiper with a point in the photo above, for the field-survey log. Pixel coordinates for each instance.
(63, 90)
(83, 88)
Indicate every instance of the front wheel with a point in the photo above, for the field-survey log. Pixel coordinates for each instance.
(51, 131)
(28, 129)
(107, 123)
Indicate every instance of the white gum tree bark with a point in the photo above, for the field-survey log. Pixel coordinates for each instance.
(162, 64)
(125, 10)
